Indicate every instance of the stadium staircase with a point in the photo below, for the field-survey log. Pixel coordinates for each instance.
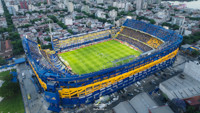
(55, 45)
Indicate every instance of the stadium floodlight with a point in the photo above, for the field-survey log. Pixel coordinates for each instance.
(128, 17)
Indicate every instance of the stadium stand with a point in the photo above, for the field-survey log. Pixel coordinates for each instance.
(78, 39)
(136, 34)
(44, 60)
(154, 42)
(138, 44)
(54, 60)
(145, 38)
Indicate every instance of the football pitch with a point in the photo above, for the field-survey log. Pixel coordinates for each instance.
(98, 56)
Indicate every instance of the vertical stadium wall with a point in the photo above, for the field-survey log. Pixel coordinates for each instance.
(62, 88)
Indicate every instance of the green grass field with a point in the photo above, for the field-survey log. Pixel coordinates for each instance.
(98, 56)
(12, 102)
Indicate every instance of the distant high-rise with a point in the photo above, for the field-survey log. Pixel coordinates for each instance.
(138, 4)
(99, 1)
(153, 1)
(158, 1)
(113, 14)
(85, 8)
(12, 10)
(70, 7)
(1, 9)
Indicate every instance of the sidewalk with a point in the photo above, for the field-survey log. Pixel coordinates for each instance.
(9, 68)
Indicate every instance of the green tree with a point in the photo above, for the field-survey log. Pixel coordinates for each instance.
(38, 41)
(191, 38)
(195, 53)
(70, 31)
(9, 89)
(47, 46)
(25, 26)
(17, 47)
(48, 39)
(152, 21)
(2, 61)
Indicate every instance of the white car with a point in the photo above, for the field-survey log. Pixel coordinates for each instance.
(138, 83)
(136, 90)
(23, 76)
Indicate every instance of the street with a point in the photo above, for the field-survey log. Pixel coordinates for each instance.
(36, 103)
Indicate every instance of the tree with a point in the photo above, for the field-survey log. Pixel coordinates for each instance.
(52, 17)
(2, 61)
(13, 35)
(70, 31)
(191, 38)
(152, 21)
(195, 53)
(9, 89)
(111, 8)
(47, 46)
(192, 109)
(38, 41)
(48, 39)
(17, 47)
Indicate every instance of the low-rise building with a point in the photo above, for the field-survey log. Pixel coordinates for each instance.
(141, 103)
(68, 21)
(185, 85)
(100, 14)
(3, 22)
(5, 48)
(70, 7)
(85, 8)
(113, 14)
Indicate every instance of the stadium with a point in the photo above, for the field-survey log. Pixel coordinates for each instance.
(81, 68)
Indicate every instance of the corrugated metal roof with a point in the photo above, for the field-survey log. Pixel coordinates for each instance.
(142, 103)
(124, 107)
(161, 109)
(177, 87)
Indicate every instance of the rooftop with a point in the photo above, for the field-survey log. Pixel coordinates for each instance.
(141, 103)
(178, 87)
(193, 100)
(164, 109)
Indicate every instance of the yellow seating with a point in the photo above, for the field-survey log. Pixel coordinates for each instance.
(90, 36)
(154, 42)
